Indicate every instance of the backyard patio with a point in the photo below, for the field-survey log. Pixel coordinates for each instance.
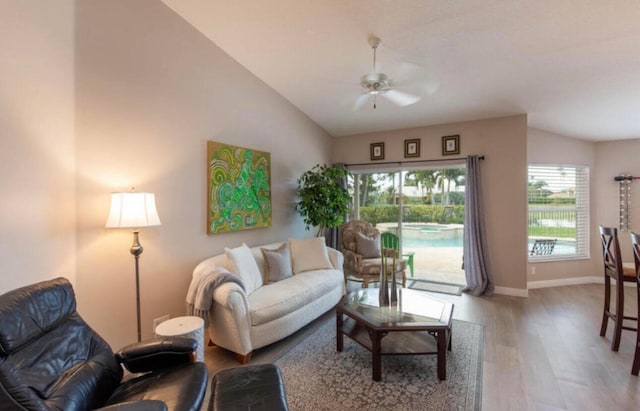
(437, 250)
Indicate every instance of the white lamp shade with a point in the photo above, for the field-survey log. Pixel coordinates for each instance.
(132, 210)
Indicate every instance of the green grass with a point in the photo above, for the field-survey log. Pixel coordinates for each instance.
(558, 232)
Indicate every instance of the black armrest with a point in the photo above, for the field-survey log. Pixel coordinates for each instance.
(157, 353)
(142, 405)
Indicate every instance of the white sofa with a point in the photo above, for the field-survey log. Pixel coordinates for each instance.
(244, 321)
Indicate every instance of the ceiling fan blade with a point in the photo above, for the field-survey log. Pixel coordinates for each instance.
(413, 76)
(401, 98)
(425, 86)
(361, 100)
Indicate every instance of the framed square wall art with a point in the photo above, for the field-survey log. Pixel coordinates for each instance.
(450, 145)
(377, 151)
(412, 148)
(239, 188)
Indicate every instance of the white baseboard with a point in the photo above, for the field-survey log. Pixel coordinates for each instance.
(565, 281)
(572, 281)
(516, 292)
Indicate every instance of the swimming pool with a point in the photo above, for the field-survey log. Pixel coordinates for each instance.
(414, 237)
(431, 235)
(562, 247)
(432, 242)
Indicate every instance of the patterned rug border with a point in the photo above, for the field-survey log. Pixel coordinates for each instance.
(474, 385)
(479, 365)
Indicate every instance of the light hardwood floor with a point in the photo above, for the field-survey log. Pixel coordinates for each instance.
(543, 352)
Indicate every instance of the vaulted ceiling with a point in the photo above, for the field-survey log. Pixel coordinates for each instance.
(572, 65)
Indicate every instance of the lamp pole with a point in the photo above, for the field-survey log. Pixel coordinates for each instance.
(134, 210)
(136, 250)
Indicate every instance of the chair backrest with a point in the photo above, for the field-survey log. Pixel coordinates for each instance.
(348, 233)
(390, 240)
(543, 246)
(611, 252)
(49, 357)
(635, 244)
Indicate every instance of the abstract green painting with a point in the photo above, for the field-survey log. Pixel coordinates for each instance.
(239, 195)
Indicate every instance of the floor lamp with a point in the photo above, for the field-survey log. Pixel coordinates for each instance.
(133, 210)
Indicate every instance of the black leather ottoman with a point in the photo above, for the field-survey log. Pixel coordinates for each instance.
(255, 388)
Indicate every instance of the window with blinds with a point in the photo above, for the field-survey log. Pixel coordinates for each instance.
(558, 212)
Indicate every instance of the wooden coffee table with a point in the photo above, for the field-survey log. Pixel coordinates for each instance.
(419, 324)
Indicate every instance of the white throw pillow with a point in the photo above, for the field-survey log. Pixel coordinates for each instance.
(368, 247)
(309, 254)
(244, 265)
(277, 263)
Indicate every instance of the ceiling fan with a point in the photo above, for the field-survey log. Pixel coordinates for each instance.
(375, 84)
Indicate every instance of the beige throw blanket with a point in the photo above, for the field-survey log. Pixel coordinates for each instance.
(200, 293)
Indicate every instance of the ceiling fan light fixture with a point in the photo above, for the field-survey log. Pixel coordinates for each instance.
(375, 83)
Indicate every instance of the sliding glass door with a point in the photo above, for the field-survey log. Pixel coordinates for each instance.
(424, 208)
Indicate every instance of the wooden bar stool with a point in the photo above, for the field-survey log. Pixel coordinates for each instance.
(635, 243)
(613, 269)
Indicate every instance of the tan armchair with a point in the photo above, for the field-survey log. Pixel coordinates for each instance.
(362, 264)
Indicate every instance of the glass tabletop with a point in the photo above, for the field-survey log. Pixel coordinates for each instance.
(414, 309)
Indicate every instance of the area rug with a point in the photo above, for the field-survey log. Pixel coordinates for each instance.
(436, 286)
(317, 377)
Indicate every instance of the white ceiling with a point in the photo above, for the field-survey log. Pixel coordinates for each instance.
(572, 65)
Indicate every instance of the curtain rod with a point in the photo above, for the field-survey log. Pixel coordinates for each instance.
(410, 162)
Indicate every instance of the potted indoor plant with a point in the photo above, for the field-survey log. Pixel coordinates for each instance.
(322, 200)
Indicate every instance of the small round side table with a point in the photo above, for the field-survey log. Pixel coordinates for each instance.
(184, 327)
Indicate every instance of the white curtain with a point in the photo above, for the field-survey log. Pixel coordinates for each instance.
(476, 258)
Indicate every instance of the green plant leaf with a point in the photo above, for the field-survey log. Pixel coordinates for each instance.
(322, 200)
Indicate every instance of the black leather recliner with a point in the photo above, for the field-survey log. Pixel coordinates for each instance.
(50, 359)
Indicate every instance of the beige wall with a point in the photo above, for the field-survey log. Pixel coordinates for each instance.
(503, 142)
(545, 147)
(37, 212)
(151, 91)
(614, 158)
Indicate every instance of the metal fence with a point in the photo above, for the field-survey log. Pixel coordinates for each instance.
(550, 217)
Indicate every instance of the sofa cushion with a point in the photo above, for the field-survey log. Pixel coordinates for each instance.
(309, 254)
(276, 300)
(244, 265)
(277, 263)
(348, 232)
(368, 247)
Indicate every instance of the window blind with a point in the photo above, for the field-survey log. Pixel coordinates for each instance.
(558, 211)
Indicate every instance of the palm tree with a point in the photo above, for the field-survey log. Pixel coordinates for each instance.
(424, 179)
(440, 183)
(446, 177)
(365, 186)
(372, 186)
(391, 190)
(429, 183)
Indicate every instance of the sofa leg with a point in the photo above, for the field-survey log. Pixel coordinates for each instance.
(243, 359)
